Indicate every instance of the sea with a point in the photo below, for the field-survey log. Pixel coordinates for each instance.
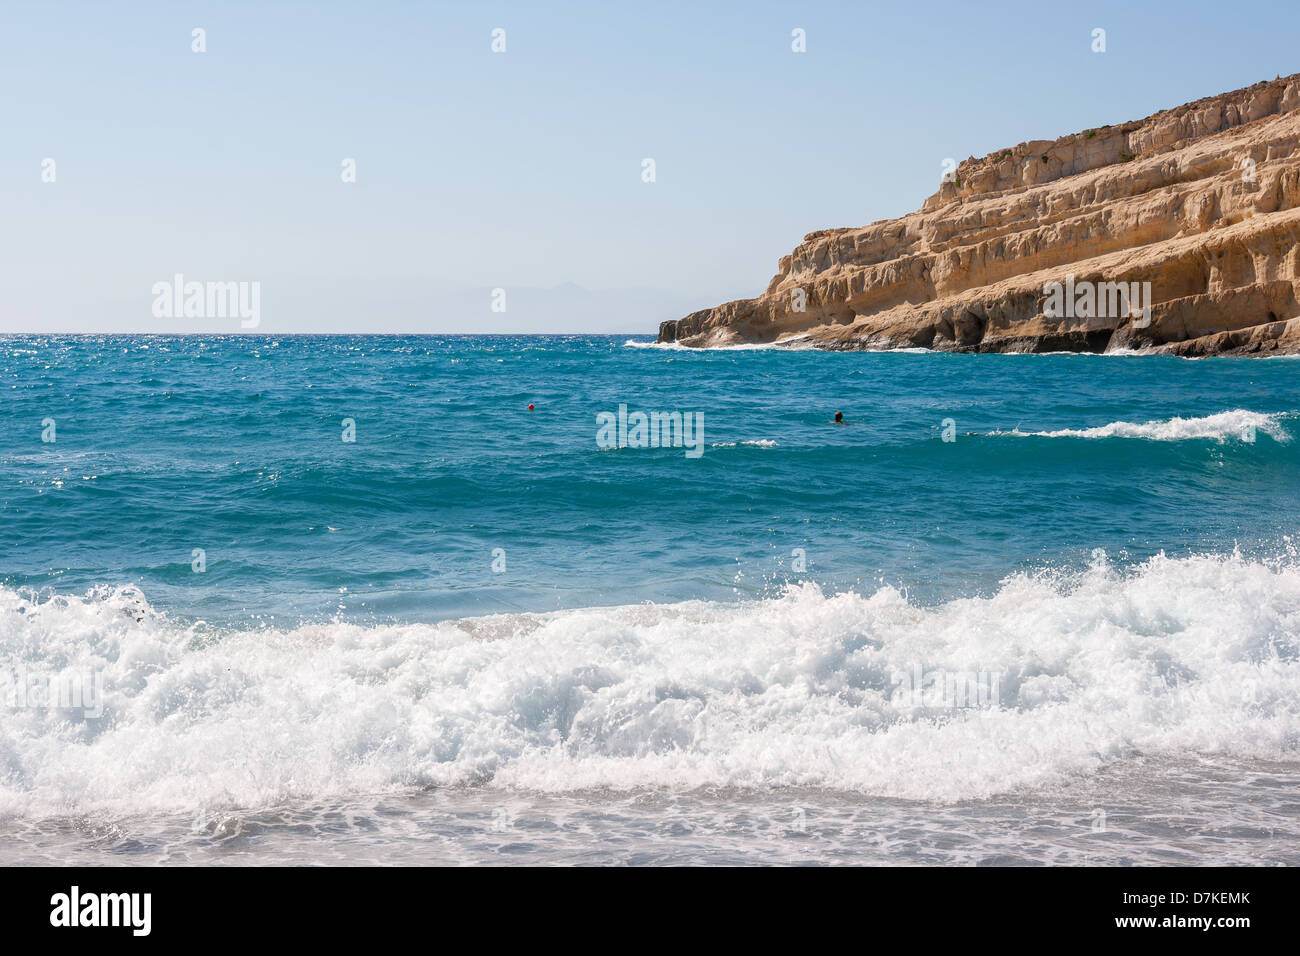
(591, 600)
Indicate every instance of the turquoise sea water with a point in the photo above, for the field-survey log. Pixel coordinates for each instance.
(234, 446)
(474, 606)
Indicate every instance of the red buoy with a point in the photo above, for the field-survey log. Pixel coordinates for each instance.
(530, 406)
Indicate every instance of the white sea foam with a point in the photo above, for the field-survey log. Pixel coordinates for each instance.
(1175, 657)
(1224, 426)
(791, 343)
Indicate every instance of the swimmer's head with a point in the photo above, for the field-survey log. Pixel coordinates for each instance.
(839, 417)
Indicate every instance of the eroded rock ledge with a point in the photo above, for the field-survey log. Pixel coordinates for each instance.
(1201, 201)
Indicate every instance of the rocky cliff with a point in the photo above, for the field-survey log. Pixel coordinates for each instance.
(1196, 208)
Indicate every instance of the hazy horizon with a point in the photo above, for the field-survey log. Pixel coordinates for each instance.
(516, 179)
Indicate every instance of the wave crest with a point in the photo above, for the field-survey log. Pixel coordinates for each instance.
(1198, 654)
(1235, 424)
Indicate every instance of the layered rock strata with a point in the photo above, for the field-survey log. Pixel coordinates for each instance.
(1198, 205)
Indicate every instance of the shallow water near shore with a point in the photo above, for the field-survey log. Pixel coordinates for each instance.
(474, 635)
(1181, 814)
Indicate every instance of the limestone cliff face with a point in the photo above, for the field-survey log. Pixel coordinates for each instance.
(1201, 201)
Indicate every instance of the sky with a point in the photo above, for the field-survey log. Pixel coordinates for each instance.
(507, 191)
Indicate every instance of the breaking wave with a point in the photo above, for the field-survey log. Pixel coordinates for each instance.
(1187, 655)
(1238, 424)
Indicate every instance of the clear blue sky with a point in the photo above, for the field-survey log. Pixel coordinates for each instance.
(522, 170)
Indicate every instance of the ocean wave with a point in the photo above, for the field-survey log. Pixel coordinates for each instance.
(791, 343)
(1238, 424)
(1075, 671)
